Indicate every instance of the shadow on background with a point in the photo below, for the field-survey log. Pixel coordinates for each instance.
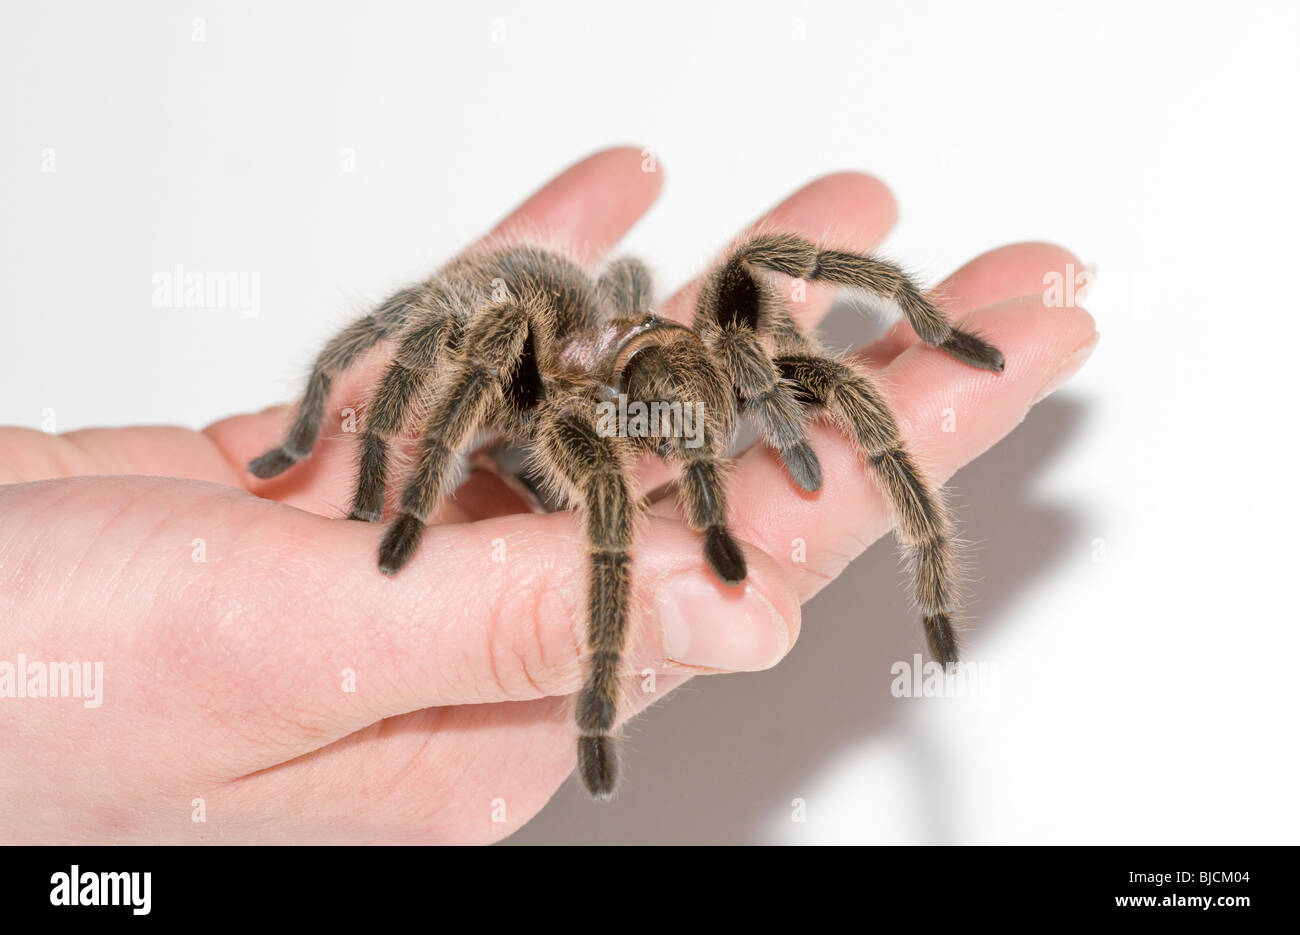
(716, 759)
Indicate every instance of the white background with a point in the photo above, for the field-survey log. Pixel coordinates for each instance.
(1136, 533)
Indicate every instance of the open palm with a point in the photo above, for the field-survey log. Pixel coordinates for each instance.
(261, 674)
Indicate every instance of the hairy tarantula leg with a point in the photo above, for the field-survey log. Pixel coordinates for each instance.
(765, 394)
(923, 521)
(702, 489)
(801, 258)
(339, 354)
(625, 287)
(494, 343)
(733, 308)
(420, 348)
(392, 399)
(684, 375)
(703, 492)
(591, 466)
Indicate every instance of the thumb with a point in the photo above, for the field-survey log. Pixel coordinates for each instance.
(486, 612)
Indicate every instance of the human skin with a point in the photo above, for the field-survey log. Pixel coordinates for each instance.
(224, 679)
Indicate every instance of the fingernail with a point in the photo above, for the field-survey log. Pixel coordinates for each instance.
(707, 626)
(1069, 367)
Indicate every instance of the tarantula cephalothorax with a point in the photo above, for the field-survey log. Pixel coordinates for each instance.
(523, 341)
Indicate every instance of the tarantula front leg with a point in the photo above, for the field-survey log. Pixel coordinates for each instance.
(803, 259)
(463, 401)
(343, 350)
(758, 386)
(703, 492)
(592, 467)
(923, 521)
(681, 374)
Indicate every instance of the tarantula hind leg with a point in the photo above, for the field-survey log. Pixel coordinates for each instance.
(421, 351)
(463, 401)
(625, 286)
(341, 352)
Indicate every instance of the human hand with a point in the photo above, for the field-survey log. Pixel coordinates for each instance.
(226, 679)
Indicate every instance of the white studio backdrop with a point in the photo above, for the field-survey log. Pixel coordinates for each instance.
(1134, 535)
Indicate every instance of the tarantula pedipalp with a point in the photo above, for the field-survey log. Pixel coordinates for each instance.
(523, 341)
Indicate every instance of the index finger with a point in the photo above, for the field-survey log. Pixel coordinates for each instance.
(590, 205)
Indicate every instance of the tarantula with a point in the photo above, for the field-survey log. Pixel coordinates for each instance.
(525, 341)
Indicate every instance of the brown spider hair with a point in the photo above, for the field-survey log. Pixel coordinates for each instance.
(525, 342)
